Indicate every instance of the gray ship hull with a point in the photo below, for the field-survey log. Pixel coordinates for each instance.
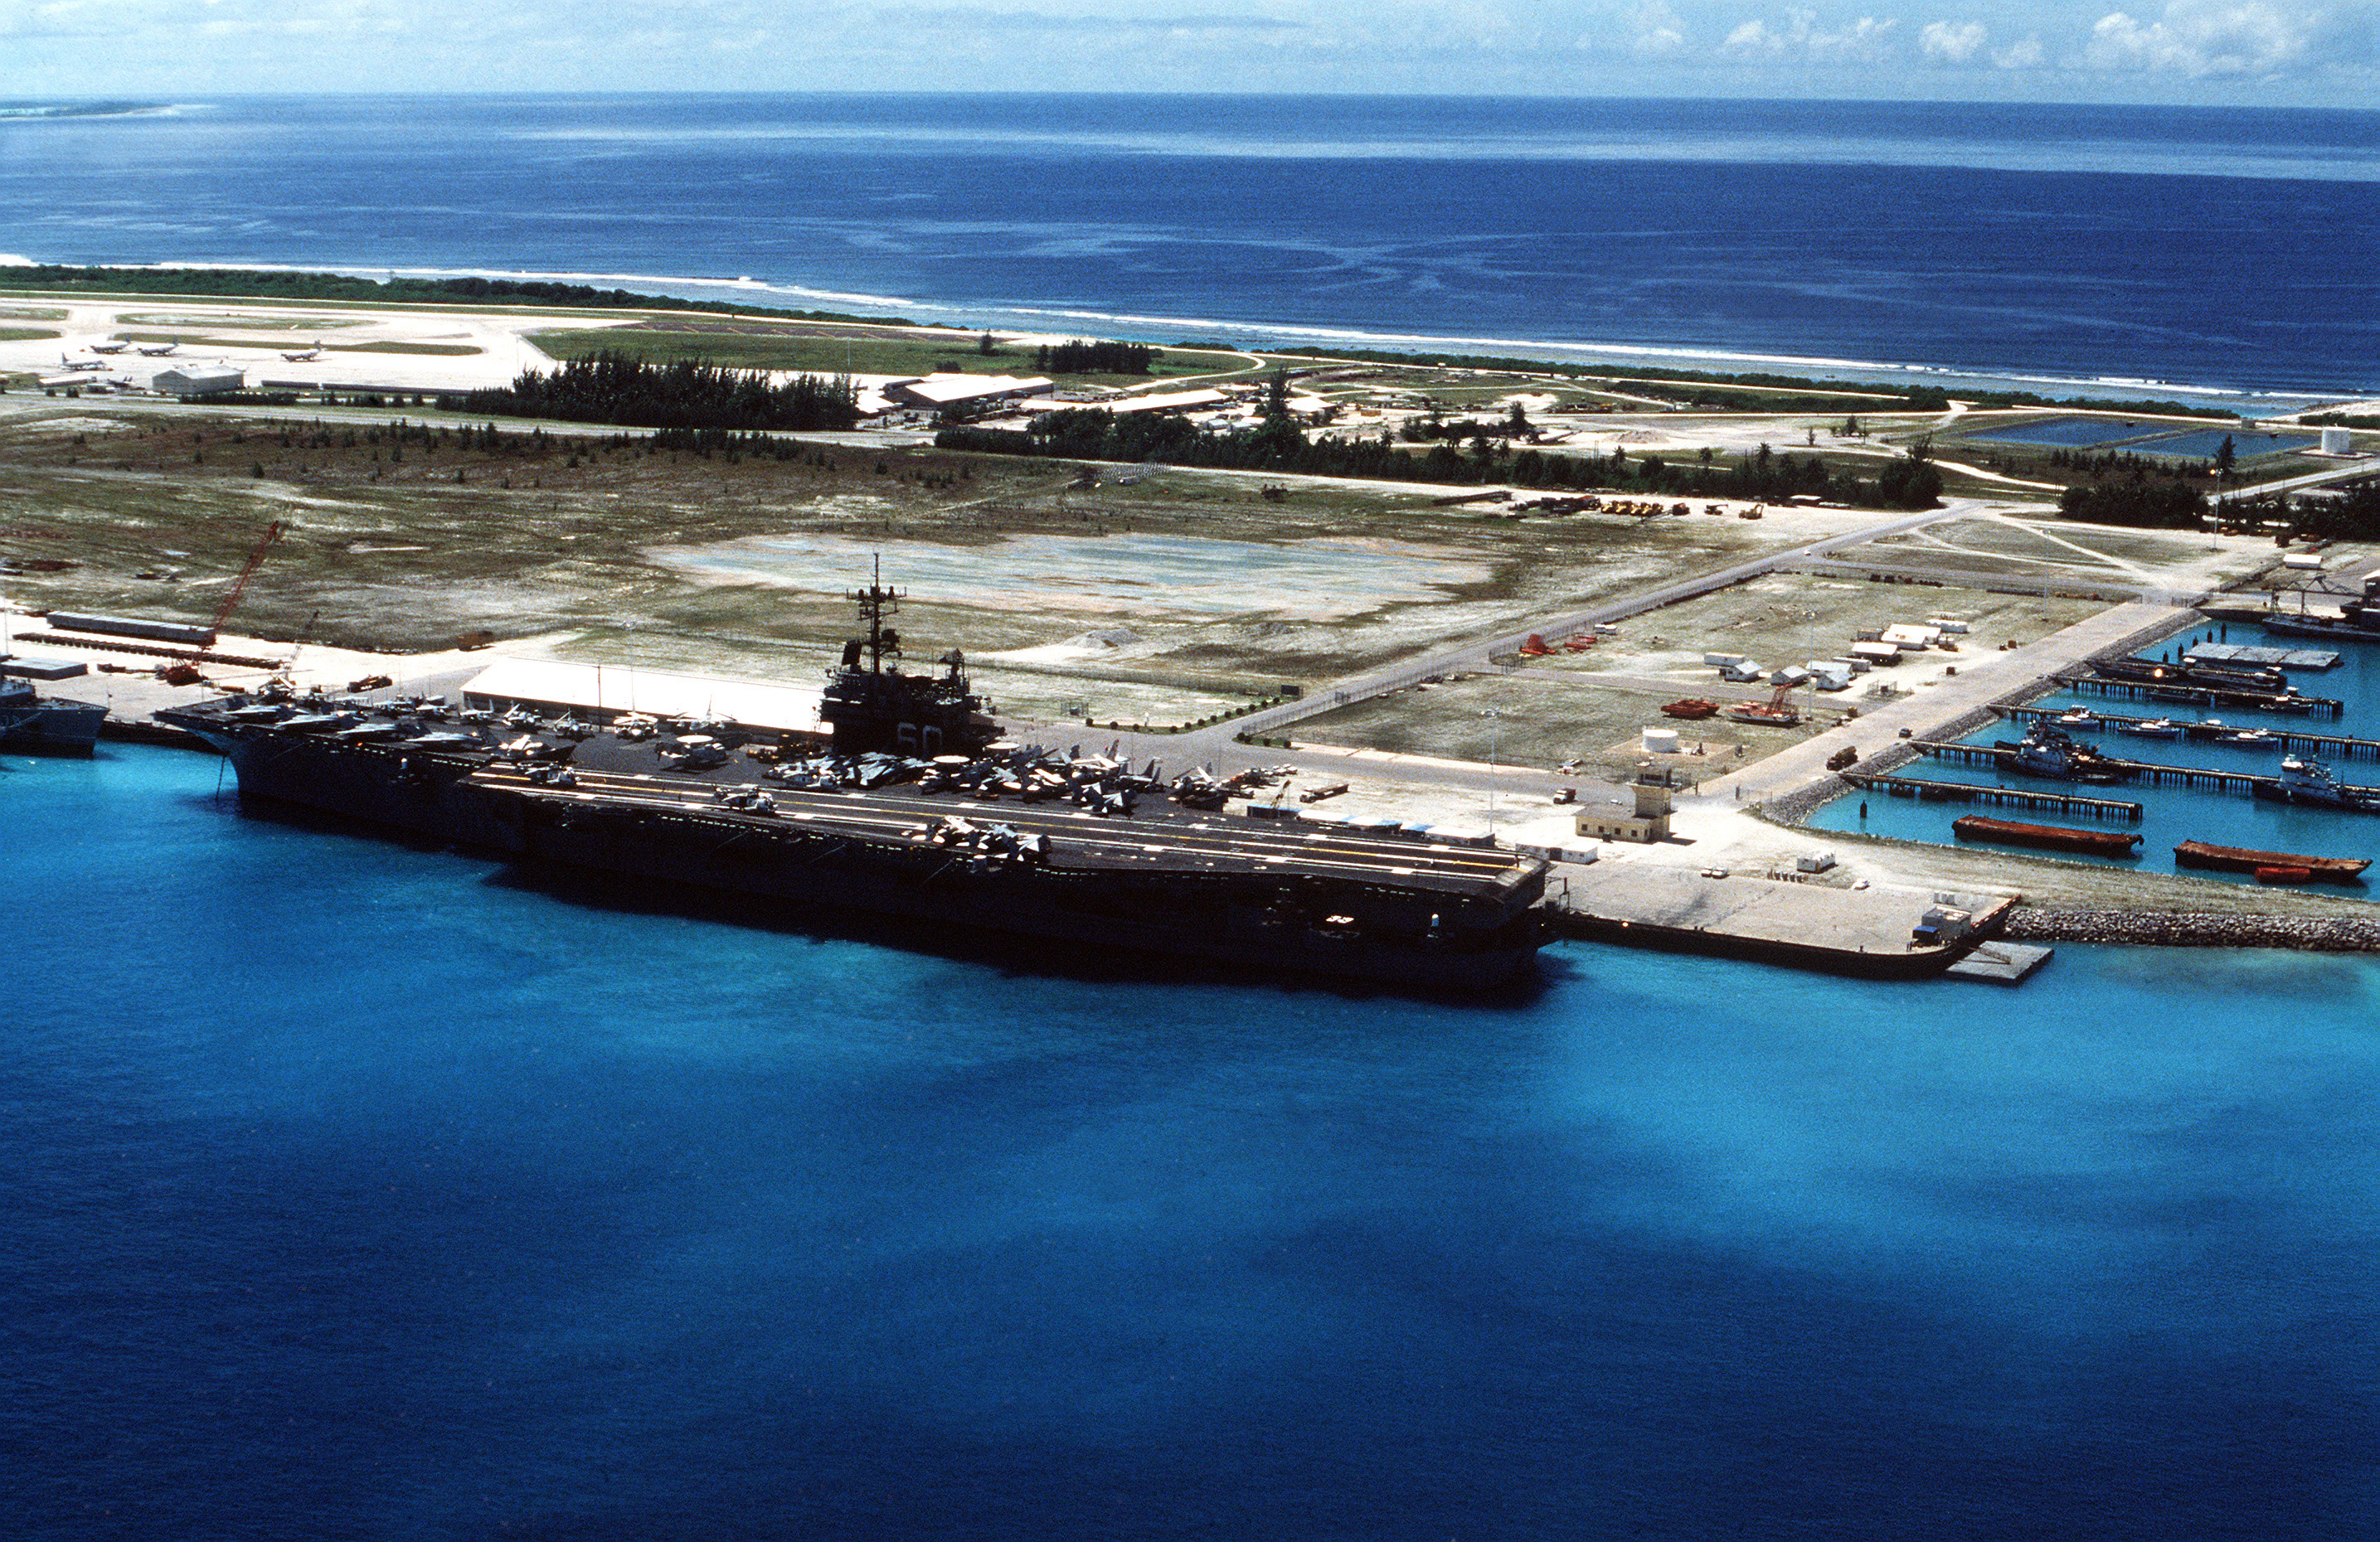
(46, 725)
(1305, 921)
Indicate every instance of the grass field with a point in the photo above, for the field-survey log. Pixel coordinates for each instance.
(858, 355)
(24, 334)
(202, 340)
(31, 313)
(245, 323)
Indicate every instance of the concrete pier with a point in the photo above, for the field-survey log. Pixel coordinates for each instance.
(1854, 931)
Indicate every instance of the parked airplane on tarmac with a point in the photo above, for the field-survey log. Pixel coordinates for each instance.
(163, 350)
(72, 365)
(115, 345)
(306, 355)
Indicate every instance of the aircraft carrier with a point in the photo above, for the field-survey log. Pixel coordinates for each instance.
(914, 811)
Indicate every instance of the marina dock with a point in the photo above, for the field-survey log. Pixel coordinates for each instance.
(2200, 696)
(2329, 746)
(2006, 797)
(2204, 777)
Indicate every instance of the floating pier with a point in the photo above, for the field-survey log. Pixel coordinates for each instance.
(2314, 659)
(2006, 797)
(2001, 963)
(2204, 777)
(2202, 696)
(2328, 747)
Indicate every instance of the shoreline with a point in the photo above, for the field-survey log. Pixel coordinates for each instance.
(1053, 320)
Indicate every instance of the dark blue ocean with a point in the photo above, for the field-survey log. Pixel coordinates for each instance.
(2216, 248)
(360, 1191)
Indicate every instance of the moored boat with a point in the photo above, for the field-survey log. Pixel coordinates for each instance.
(2305, 779)
(2240, 859)
(2052, 752)
(2046, 837)
(33, 723)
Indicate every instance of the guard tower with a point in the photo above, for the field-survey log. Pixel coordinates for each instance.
(1652, 786)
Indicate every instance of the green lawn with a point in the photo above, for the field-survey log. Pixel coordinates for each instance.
(23, 334)
(31, 313)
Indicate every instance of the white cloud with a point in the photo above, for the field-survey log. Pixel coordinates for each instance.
(1656, 30)
(2027, 55)
(1753, 37)
(1950, 43)
(2204, 37)
(1799, 32)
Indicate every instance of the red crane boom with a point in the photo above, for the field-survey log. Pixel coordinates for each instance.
(240, 584)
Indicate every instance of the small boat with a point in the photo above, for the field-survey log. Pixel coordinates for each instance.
(1692, 707)
(2306, 780)
(2240, 859)
(2047, 837)
(2151, 728)
(2051, 752)
(2076, 717)
(2255, 737)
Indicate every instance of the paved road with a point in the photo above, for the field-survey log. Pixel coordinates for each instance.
(2345, 473)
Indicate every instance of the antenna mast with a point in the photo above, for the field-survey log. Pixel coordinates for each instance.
(875, 602)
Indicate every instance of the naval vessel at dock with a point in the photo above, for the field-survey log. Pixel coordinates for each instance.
(917, 809)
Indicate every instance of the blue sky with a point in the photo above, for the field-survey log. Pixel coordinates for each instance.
(2257, 52)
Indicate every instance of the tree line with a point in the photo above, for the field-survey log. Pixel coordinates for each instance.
(1088, 357)
(615, 387)
(1092, 433)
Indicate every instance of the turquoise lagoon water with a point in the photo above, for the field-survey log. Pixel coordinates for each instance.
(363, 1190)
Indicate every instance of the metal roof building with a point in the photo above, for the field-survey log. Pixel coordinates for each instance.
(947, 390)
(198, 380)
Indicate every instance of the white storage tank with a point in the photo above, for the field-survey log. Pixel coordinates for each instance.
(1660, 741)
(2337, 441)
(2303, 562)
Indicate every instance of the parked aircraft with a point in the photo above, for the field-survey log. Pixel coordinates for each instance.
(117, 346)
(72, 365)
(306, 355)
(162, 350)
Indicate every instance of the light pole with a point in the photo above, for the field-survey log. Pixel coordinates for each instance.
(1495, 723)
